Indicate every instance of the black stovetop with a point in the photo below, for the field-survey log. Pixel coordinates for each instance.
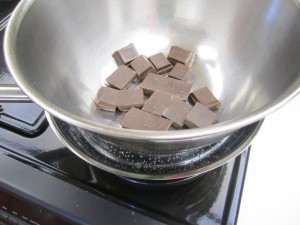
(27, 140)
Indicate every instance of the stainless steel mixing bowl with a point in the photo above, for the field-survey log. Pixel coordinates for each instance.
(248, 54)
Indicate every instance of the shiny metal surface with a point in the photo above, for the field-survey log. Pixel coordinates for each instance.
(248, 54)
(155, 165)
(12, 93)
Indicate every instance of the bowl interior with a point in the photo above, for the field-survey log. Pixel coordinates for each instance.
(248, 52)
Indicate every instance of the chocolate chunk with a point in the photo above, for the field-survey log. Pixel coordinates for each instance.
(171, 86)
(206, 98)
(121, 77)
(180, 55)
(141, 120)
(177, 111)
(157, 103)
(125, 55)
(130, 98)
(142, 67)
(180, 72)
(161, 63)
(107, 99)
(200, 116)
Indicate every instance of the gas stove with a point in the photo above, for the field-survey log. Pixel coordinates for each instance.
(42, 182)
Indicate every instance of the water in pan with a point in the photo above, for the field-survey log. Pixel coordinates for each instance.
(154, 163)
(125, 156)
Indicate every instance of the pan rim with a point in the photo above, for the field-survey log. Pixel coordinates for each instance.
(145, 176)
(152, 136)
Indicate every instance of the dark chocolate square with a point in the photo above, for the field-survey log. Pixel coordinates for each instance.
(142, 67)
(178, 88)
(130, 98)
(125, 55)
(177, 111)
(180, 55)
(200, 116)
(157, 103)
(205, 97)
(107, 99)
(161, 63)
(141, 120)
(121, 77)
(180, 72)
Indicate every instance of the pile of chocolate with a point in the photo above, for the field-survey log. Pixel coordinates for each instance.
(165, 80)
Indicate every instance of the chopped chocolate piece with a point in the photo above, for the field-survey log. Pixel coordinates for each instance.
(141, 120)
(161, 63)
(130, 98)
(157, 103)
(200, 116)
(180, 55)
(121, 77)
(107, 99)
(125, 55)
(180, 72)
(142, 67)
(177, 111)
(171, 86)
(206, 98)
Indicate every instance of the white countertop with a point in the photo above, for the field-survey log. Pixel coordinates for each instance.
(272, 188)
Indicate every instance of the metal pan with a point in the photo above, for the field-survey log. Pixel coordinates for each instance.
(155, 165)
(248, 54)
